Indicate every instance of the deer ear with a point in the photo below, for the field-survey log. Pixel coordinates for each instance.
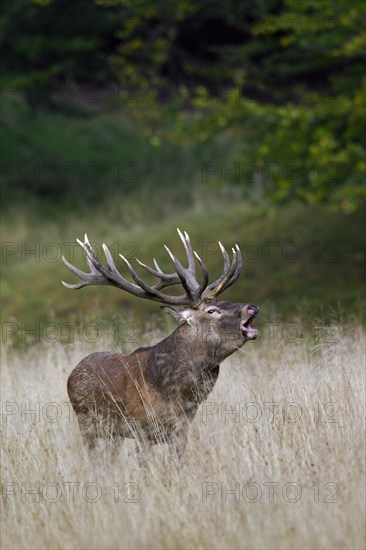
(182, 314)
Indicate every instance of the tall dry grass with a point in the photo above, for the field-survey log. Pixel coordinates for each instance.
(285, 469)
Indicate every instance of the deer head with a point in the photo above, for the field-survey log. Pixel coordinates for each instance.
(223, 326)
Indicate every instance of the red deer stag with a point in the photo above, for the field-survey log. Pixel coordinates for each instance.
(153, 394)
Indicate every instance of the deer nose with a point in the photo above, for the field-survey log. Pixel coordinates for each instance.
(252, 309)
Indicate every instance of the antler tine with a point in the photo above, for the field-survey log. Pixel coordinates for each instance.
(158, 268)
(234, 273)
(148, 289)
(189, 251)
(99, 275)
(111, 275)
(227, 266)
(230, 275)
(92, 278)
(110, 261)
(182, 273)
(227, 276)
(225, 256)
(204, 283)
(185, 276)
(237, 271)
(188, 275)
(76, 272)
(168, 278)
(92, 259)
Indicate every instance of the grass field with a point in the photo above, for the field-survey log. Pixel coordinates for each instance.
(285, 471)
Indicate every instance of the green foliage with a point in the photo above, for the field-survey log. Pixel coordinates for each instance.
(289, 84)
(318, 127)
(49, 44)
(57, 163)
(283, 78)
(312, 151)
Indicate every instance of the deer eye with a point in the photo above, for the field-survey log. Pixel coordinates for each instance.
(212, 311)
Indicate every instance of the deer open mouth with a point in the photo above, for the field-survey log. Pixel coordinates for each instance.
(247, 330)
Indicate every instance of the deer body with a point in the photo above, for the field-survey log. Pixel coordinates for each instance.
(154, 393)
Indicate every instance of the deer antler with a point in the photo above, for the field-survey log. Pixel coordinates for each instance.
(194, 291)
(230, 275)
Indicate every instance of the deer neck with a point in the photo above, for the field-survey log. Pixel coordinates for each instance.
(180, 362)
(188, 347)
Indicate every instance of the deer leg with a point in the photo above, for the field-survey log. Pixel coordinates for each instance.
(179, 438)
(180, 443)
(176, 446)
(143, 448)
(88, 430)
(116, 442)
